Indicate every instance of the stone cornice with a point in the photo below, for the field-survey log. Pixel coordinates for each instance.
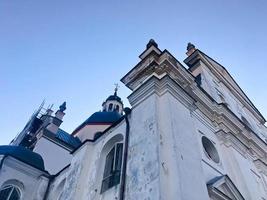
(231, 84)
(23, 167)
(236, 133)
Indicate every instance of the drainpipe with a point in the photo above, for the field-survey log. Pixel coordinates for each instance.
(125, 154)
(51, 178)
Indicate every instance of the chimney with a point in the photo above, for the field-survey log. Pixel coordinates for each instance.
(190, 49)
(57, 120)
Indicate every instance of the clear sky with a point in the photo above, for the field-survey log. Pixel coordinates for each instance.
(74, 51)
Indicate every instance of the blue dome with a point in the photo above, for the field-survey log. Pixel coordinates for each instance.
(100, 118)
(114, 98)
(103, 117)
(24, 155)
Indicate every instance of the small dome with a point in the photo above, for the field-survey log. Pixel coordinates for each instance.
(103, 117)
(114, 98)
(24, 155)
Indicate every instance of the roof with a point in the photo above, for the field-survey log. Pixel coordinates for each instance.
(24, 155)
(62, 138)
(102, 117)
(114, 98)
(67, 138)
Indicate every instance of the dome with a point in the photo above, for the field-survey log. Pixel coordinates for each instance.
(100, 118)
(24, 155)
(114, 98)
(103, 117)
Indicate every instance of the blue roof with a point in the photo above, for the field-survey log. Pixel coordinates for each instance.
(24, 155)
(67, 138)
(103, 117)
(114, 97)
(100, 118)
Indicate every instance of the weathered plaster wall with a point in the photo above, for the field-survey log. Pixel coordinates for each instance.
(143, 171)
(83, 178)
(242, 172)
(31, 182)
(180, 158)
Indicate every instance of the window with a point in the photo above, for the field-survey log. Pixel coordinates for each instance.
(110, 107)
(210, 150)
(198, 80)
(9, 192)
(117, 108)
(112, 171)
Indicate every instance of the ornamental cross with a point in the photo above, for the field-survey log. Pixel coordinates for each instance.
(116, 87)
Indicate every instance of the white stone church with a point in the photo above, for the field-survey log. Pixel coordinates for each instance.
(191, 134)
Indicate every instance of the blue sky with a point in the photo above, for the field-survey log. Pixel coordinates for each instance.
(74, 51)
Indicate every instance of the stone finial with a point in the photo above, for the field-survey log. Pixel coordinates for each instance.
(151, 43)
(190, 49)
(63, 107)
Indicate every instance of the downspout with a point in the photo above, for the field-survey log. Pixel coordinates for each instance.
(125, 154)
(51, 178)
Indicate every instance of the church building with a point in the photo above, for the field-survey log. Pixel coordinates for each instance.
(191, 134)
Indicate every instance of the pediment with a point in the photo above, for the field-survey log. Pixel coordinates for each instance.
(222, 188)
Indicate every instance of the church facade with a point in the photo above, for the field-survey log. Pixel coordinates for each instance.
(191, 134)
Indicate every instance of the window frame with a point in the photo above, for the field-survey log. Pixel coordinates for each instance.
(13, 188)
(115, 170)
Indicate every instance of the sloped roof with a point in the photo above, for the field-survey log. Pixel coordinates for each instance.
(101, 117)
(67, 138)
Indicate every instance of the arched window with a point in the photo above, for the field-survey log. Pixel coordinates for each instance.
(110, 107)
(112, 171)
(117, 108)
(10, 192)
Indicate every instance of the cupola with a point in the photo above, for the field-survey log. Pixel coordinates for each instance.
(113, 103)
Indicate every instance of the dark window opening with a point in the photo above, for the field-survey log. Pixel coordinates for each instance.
(9, 192)
(210, 150)
(117, 108)
(112, 171)
(110, 107)
(198, 80)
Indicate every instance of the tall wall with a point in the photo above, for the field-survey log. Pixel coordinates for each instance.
(164, 158)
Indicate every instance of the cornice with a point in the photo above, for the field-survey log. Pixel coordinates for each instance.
(220, 117)
(234, 87)
(24, 168)
(261, 166)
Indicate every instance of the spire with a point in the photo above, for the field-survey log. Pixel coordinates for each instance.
(63, 107)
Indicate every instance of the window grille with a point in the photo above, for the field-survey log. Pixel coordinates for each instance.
(9, 192)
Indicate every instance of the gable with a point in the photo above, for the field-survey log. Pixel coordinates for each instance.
(222, 188)
(223, 75)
